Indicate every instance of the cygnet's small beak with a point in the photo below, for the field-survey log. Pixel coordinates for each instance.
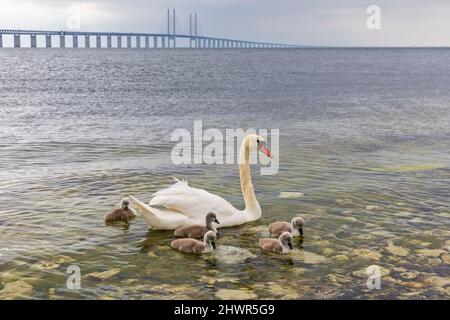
(213, 245)
(290, 245)
(300, 230)
(217, 221)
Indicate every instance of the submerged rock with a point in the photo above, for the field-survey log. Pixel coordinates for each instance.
(232, 255)
(283, 292)
(45, 265)
(366, 254)
(409, 275)
(288, 195)
(430, 252)
(230, 294)
(338, 279)
(396, 250)
(61, 259)
(416, 242)
(307, 257)
(415, 285)
(340, 258)
(446, 258)
(257, 229)
(438, 281)
(16, 290)
(327, 252)
(105, 274)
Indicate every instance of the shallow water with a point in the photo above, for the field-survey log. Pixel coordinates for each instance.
(364, 136)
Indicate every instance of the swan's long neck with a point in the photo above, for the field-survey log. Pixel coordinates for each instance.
(251, 203)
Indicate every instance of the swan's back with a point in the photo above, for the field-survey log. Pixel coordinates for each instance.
(191, 202)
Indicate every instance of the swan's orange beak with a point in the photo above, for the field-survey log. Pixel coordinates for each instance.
(265, 151)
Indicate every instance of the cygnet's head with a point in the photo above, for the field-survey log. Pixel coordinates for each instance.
(125, 203)
(211, 237)
(298, 224)
(286, 238)
(211, 217)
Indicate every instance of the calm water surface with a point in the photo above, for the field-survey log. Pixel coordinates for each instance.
(364, 136)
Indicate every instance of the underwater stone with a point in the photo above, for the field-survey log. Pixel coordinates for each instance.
(366, 254)
(446, 258)
(15, 290)
(397, 250)
(45, 265)
(430, 252)
(307, 257)
(288, 195)
(373, 207)
(230, 294)
(438, 281)
(341, 258)
(105, 274)
(232, 255)
(409, 275)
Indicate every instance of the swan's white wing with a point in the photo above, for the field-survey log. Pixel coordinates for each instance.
(192, 202)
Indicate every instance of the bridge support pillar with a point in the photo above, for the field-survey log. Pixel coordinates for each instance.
(109, 41)
(33, 40)
(147, 42)
(48, 41)
(1, 40)
(129, 42)
(138, 42)
(87, 41)
(62, 41)
(163, 42)
(119, 42)
(75, 41)
(17, 41)
(209, 43)
(155, 42)
(98, 43)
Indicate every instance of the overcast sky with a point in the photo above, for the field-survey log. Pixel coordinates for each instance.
(313, 22)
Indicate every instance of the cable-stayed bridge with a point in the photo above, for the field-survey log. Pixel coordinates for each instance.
(96, 39)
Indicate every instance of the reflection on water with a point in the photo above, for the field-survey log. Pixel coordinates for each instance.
(363, 158)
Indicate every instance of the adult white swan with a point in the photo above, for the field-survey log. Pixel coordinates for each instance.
(180, 204)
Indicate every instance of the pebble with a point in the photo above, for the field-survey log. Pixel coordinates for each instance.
(415, 285)
(340, 258)
(366, 254)
(288, 195)
(105, 274)
(409, 275)
(45, 265)
(307, 257)
(373, 207)
(446, 258)
(438, 281)
(430, 252)
(397, 250)
(230, 294)
(338, 279)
